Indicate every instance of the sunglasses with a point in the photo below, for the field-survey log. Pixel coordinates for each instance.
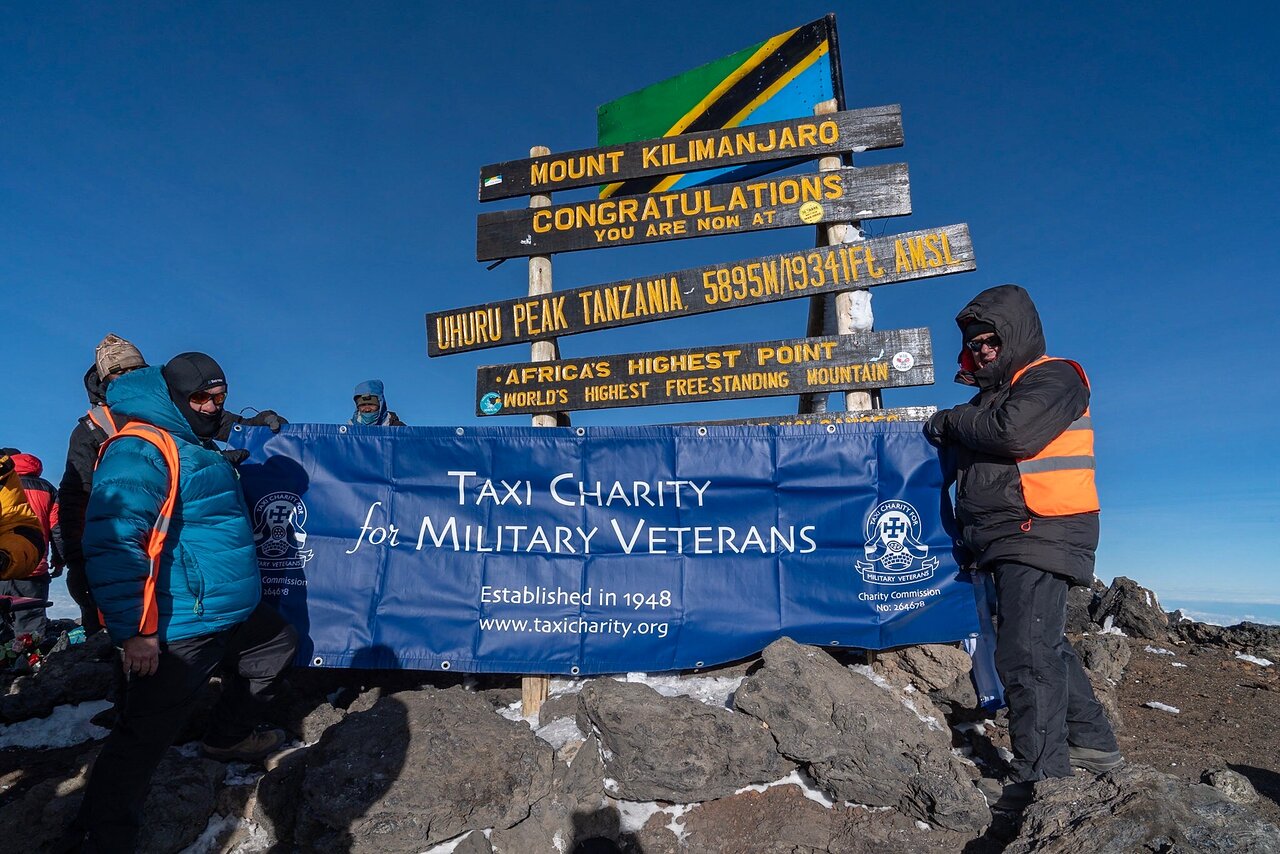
(200, 398)
(977, 344)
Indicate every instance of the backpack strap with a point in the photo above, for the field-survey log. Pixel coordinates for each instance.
(150, 622)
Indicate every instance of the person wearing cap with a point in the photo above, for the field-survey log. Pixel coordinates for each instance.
(184, 611)
(1027, 508)
(114, 357)
(371, 406)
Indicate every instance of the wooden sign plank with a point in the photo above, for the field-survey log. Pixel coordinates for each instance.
(771, 278)
(863, 416)
(792, 139)
(892, 358)
(782, 201)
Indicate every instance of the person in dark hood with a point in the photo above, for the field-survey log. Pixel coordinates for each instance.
(371, 406)
(1027, 508)
(173, 567)
(113, 358)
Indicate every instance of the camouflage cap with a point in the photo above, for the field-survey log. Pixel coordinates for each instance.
(115, 354)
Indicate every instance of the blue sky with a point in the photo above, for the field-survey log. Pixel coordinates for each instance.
(290, 187)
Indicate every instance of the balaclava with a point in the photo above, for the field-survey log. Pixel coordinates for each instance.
(187, 373)
(369, 388)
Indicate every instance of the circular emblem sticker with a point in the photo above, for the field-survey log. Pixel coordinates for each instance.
(491, 403)
(810, 212)
(903, 361)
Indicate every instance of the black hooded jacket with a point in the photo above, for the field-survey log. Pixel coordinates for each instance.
(77, 480)
(1006, 422)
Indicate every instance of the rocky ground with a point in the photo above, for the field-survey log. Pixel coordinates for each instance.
(797, 751)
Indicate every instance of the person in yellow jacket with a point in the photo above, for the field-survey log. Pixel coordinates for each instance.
(22, 542)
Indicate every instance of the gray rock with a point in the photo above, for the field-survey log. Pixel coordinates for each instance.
(860, 742)
(574, 810)
(77, 674)
(475, 843)
(676, 748)
(1136, 808)
(1105, 655)
(1134, 609)
(1247, 636)
(929, 667)
(1081, 602)
(781, 819)
(182, 798)
(418, 768)
(1233, 784)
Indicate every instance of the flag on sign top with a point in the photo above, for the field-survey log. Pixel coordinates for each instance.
(782, 77)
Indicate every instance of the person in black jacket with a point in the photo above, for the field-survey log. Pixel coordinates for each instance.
(1027, 510)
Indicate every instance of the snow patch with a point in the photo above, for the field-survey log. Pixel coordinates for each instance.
(1253, 659)
(449, 845)
(242, 774)
(923, 825)
(1162, 707)
(66, 726)
(513, 712)
(1158, 650)
(634, 814)
(796, 778)
(560, 732)
(711, 690)
(1109, 628)
(221, 829)
(1178, 664)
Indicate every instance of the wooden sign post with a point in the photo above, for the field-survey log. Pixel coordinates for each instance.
(534, 689)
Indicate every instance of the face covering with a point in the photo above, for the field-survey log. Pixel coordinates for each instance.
(368, 417)
(186, 374)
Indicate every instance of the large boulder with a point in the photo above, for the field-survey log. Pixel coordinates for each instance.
(676, 748)
(1133, 609)
(1081, 602)
(86, 671)
(573, 811)
(1106, 656)
(1136, 808)
(860, 742)
(417, 768)
(941, 671)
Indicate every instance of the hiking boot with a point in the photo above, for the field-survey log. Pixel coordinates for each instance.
(1095, 761)
(253, 748)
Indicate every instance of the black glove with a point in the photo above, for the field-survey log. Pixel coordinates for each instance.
(935, 429)
(267, 418)
(235, 457)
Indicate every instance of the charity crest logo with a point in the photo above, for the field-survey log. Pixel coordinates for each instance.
(893, 548)
(278, 533)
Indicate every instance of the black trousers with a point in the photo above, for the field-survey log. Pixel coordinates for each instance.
(78, 587)
(1051, 703)
(252, 657)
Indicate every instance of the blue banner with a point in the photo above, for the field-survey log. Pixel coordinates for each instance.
(600, 550)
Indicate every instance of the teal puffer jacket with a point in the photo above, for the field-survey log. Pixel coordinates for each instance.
(208, 577)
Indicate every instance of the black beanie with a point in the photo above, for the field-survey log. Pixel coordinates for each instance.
(186, 374)
(976, 328)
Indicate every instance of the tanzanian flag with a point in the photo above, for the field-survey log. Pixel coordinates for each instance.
(783, 77)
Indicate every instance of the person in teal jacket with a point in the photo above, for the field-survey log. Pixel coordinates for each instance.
(199, 614)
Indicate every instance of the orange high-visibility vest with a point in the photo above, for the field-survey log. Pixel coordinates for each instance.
(102, 418)
(150, 622)
(1059, 481)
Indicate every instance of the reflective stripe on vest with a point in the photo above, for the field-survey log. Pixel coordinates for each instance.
(103, 420)
(1059, 480)
(150, 622)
